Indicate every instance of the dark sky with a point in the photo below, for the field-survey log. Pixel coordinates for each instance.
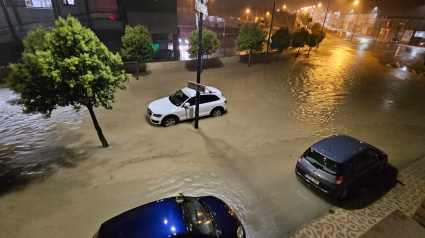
(387, 7)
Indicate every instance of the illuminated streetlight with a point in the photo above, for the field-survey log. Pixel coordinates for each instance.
(247, 10)
(268, 13)
(319, 5)
(356, 2)
(284, 6)
(352, 10)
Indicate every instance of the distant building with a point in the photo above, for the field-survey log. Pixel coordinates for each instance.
(107, 18)
(409, 30)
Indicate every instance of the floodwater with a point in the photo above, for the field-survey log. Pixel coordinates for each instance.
(246, 157)
(28, 143)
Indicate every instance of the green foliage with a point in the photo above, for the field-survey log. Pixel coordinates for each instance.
(251, 37)
(316, 27)
(322, 35)
(300, 38)
(281, 40)
(137, 43)
(314, 40)
(71, 67)
(210, 43)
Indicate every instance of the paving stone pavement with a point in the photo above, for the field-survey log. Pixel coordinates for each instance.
(406, 195)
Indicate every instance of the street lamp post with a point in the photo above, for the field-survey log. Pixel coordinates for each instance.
(360, 12)
(270, 32)
(324, 20)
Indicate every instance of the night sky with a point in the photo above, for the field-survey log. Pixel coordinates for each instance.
(386, 7)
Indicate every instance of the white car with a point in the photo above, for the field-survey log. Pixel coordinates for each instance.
(180, 106)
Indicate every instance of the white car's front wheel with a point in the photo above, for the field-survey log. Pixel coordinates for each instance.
(169, 121)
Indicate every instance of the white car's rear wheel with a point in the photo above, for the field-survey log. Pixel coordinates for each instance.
(217, 112)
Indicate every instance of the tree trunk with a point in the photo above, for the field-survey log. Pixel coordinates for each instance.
(249, 60)
(309, 52)
(298, 52)
(97, 127)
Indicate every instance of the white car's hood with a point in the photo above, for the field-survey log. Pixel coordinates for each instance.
(162, 106)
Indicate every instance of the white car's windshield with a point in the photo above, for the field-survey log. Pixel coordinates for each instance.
(178, 98)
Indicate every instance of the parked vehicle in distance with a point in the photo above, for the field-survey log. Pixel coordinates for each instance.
(422, 44)
(333, 164)
(393, 41)
(180, 106)
(180, 217)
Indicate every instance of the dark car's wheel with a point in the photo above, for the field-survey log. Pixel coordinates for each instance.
(169, 121)
(380, 168)
(217, 112)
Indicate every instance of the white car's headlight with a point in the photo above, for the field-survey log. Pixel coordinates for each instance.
(157, 115)
(239, 233)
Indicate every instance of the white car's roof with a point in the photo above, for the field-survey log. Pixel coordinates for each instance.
(208, 90)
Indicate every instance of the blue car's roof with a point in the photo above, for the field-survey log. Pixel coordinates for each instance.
(162, 218)
(340, 148)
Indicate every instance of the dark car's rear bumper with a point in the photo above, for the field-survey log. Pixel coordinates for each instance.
(311, 184)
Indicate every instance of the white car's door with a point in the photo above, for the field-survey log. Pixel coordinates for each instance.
(189, 112)
(208, 102)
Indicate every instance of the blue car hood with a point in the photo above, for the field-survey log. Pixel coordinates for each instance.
(158, 219)
(229, 224)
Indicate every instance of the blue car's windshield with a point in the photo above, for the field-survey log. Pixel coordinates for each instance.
(197, 217)
(178, 98)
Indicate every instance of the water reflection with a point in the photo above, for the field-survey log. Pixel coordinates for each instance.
(29, 146)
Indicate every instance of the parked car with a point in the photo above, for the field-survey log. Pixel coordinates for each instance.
(422, 44)
(333, 164)
(180, 106)
(175, 217)
(393, 41)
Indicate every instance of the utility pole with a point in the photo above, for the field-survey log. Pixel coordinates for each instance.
(324, 20)
(198, 73)
(360, 13)
(270, 32)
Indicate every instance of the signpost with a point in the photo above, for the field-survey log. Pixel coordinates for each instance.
(196, 86)
(201, 7)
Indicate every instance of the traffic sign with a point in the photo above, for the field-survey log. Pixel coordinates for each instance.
(202, 7)
(196, 86)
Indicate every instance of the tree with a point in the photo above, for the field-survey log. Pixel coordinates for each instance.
(251, 37)
(210, 43)
(69, 67)
(316, 27)
(322, 36)
(137, 43)
(300, 38)
(313, 41)
(281, 40)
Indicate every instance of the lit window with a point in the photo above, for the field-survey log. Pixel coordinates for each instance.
(69, 2)
(39, 3)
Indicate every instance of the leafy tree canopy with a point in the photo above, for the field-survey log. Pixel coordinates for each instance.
(137, 43)
(210, 43)
(300, 38)
(314, 40)
(70, 67)
(316, 27)
(251, 37)
(281, 40)
(322, 35)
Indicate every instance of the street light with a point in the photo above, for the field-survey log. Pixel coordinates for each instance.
(319, 5)
(247, 10)
(284, 6)
(360, 12)
(268, 13)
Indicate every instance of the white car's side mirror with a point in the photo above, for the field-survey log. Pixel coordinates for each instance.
(186, 105)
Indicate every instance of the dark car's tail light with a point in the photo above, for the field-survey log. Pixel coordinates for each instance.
(338, 180)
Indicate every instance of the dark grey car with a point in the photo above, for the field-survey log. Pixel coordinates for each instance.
(333, 164)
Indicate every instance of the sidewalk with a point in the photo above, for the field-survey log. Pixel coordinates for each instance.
(406, 196)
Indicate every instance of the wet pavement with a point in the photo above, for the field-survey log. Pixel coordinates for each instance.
(246, 157)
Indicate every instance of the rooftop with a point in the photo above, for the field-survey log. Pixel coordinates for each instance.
(191, 93)
(340, 148)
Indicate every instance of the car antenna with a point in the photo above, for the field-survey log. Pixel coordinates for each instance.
(329, 146)
(182, 194)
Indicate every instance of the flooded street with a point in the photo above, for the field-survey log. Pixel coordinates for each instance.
(57, 181)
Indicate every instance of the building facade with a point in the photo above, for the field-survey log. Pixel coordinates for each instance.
(409, 30)
(107, 18)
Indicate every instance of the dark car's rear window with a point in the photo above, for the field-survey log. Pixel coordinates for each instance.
(320, 161)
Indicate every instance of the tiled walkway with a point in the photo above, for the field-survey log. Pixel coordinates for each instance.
(406, 195)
